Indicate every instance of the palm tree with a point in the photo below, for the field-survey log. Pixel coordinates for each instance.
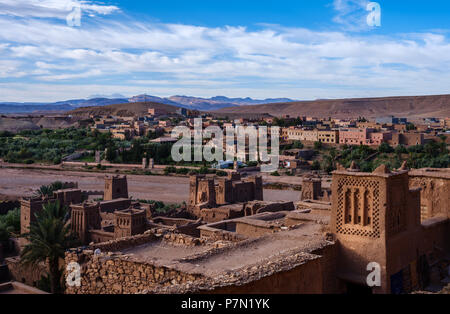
(48, 238)
(43, 191)
(47, 190)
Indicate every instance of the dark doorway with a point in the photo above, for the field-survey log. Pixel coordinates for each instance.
(358, 289)
(397, 283)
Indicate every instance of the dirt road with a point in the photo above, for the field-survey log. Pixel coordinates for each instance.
(23, 182)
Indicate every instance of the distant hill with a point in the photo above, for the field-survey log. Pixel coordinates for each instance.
(30, 107)
(205, 104)
(196, 103)
(407, 106)
(35, 123)
(123, 110)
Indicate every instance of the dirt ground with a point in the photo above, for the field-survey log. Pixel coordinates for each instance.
(23, 182)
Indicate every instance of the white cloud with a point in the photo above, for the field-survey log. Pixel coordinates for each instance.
(351, 14)
(51, 8)
(130, 56)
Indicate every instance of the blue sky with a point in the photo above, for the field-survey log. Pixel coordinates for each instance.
(261, 49)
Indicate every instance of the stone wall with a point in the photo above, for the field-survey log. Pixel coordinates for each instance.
(113, 205)
(148, 236)
(328, 269)
(304, 279)
(114, 274)
(276, 207)
(99, 236)
(435, 193)
(219, 214)
(292, 272)
(221, 235)
(28, 275)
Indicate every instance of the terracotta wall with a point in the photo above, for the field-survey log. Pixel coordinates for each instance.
(304, 279)
(28, 275)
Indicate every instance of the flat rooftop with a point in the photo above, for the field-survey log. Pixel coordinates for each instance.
(431, 172)
(211, 261)
(15, 287)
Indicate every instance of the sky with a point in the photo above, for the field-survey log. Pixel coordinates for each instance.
(304, 49)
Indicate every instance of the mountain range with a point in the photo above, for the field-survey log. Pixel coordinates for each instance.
(61, 106)
(402, 106)
(204, 104)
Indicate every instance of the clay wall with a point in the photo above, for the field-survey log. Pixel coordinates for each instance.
(304, 279)
(104, 274)
(435, 193)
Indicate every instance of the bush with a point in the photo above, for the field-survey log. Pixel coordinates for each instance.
(315, 165)
(297, 145)
(385, 148)
(275, 174)
(182, 171)
(9, 223)
(170, 169)
(400, 149)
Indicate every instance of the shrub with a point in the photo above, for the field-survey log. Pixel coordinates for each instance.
(182, 171)
(221, 173)
(318, 145)
(315, 165)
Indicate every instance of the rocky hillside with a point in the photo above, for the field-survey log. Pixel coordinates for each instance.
(408, 106)
(18, 124)
(122, 110)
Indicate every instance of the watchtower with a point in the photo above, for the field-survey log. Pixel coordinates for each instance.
(85, 217)
(115, 187)
(129, 222)
(375, 219)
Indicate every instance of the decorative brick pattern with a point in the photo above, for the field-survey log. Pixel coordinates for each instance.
(360, 186)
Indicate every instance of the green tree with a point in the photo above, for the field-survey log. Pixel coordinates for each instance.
(47, 190)
(318, 145)
(44, 190)
(315, 165)
(49, 238)
(400, 149)
(9, 224)
(297, 145)
(410, 127)
(111, 154)
(385, 148)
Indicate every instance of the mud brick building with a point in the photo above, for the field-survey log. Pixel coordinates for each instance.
(434, 187)
(210, 197)
(374, 217)
(115, 187)
(312, 190)
(239, 243)
(30, 206)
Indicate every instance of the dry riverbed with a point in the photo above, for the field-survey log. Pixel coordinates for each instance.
(23, 182)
